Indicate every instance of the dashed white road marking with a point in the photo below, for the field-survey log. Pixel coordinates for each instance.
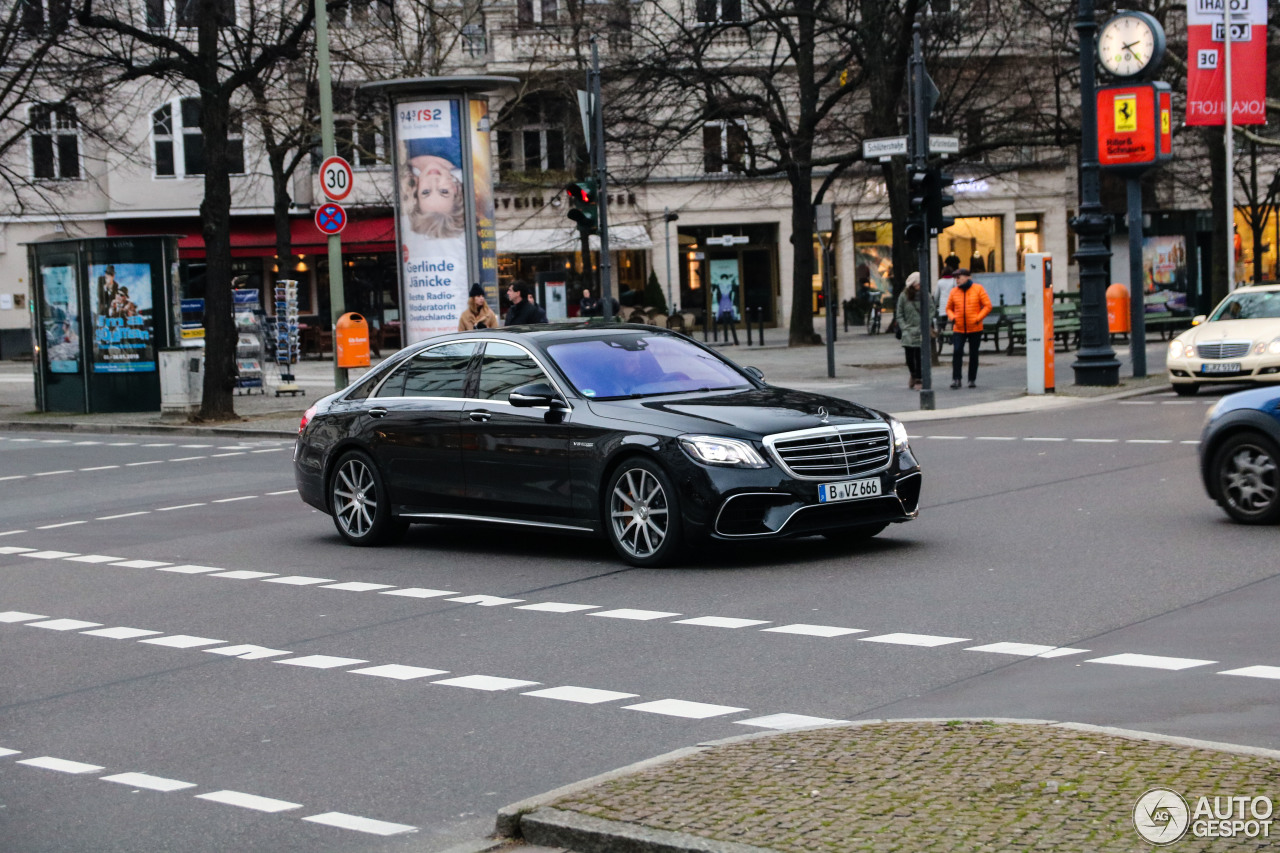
(64, 624)
(321, 661)
(1096, 440)
(485, 682)
(638, 615)
(783, 722)
(122, 515)
(48, 762)
(148, 462)
(556, 607)
(292, 580)
(901, 639)
(121, 633)
(1151, 661)
(416, 592)
(138, 564)
(100, 468)
(14, 549)
(486, 600)
(14, 477)
(182, 641)
(995, 438)
(220, 455)
(189, 569)
(947, 437)
(52, 473)
(233, 500)
(356, 586)
(283, 492)
(248, 801)
(721, 622)
(1042, 438)
(1254, 672)
(49, 555)
(1025, 649)
(247, 652)
(4, 752)
(14, 616)
(1148, 441)
(94, 558)
(11, 532)
(814, 630)
(160, 444)
(186, 458)
(179, 506)
(400, 672)
(583, 695)
(361, 824)
(149, 782)
(243, 575)
(61, 524)
(1062, 652)
(683, 708)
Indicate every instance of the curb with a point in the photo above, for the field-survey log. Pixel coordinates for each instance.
(536, 822)
(1022, 405)
(145, 429)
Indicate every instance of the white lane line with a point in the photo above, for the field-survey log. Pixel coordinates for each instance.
(721, 622)
(947, 437)
(1024, 649)
(149, 462)
(149, 782)
(48, 762)
(1096, 440)
(50, 555)
(321, 661)
(1137, 402)
(122, 515)
(682, 708)
(14, 477)
(234, 447)
(196, 446)
(1151, 661)
(186, 458)
(416, 592)
(18, 440)
(558, 607)
(61, 524)
(15, 549)
(814, 630)
(189, 569)
(284, 492)
(242, 575)
(19, 616)
(86, 443)
(1254, 672)
(294, 580)
(400, 672)
(1148, 441)
(161, 444)
(486, 600)
(64, 624)
(121, 633)
(122, 444)
(179, 506)
(248, 801)
(55, 441)
(233, 500)
(220, 455)
(139, 564)
(268, 450)
(356, 586)
(584, 695)
(11, 532)
(247, 652)
(1062, 652)
(361, 824)
(1042, 438)
(638, 615)
(4, 752)
(94, 558)
(995, 438)
(485, 682)
(52, 473)
(100, 468)
(901, 639)
(783, 722)
(183, 641)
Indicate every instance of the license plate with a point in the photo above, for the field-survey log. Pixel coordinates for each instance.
(850, 490)
(1220, 367)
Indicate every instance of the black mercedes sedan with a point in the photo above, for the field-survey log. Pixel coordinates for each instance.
(631, 432)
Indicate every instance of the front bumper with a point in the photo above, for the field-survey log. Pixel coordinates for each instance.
(1249, 368)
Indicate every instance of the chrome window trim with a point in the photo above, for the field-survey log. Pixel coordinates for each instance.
(547, 373)
(450, 516)
(814, 432)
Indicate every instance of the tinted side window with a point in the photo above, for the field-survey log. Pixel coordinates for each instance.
(504, 368)
(364, 387)
(438, 372)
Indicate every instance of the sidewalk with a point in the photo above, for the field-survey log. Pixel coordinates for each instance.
(870, 369)
(907, 785)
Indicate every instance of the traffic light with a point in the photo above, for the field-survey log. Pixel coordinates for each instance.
(940, 197)
(583, 205)
(918, 202)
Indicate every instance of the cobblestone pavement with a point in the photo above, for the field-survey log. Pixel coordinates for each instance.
(930, 786)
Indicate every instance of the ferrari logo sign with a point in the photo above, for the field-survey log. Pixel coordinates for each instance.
(1133, 126)
(1126, 107)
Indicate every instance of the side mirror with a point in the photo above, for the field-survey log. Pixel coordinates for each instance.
(756, 372)
(534, 395)
(1198, 319)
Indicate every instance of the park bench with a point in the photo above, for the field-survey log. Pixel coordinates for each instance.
(1066, 326)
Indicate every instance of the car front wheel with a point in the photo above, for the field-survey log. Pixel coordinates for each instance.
(643, 515)
(1248, 478)
(360, 504)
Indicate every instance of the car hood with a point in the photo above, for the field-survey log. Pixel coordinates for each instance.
(1233, 330)
(759, 411)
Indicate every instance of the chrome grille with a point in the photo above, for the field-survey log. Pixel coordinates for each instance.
(1224, 349)
(831, 452)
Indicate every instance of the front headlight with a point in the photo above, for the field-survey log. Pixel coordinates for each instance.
(899, 433)
(1274, 347)
(725, 452)
(1181, 349)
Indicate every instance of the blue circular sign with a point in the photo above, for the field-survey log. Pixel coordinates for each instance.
(331, 218)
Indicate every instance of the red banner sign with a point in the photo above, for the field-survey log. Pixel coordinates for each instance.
(1206, 61)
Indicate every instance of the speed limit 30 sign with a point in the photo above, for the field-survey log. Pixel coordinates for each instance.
(336, 179)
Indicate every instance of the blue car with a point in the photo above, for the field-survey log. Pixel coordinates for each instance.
(1240, 455)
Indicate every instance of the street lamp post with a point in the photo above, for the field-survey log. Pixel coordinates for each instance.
(1096, 362)
(668, 217)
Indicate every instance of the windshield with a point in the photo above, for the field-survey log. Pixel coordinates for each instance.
(641, 365)
(1248, 306)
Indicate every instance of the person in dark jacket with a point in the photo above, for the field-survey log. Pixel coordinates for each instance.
(523, 311)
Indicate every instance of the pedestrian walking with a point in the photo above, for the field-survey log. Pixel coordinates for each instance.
(523, 310)
(477, 314)
(967, 306)
(907, 317)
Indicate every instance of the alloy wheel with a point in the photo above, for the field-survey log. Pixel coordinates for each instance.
(1249, 480)
(355, 498)
(638, 511)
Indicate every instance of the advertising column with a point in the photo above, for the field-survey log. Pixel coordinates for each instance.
(482, 179)
(1206, 64)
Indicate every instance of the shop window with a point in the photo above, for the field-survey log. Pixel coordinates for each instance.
(1030, 238)
(724, 146)
(975, 242)
(55, 142)
(532, 138)
(1247, 252)
(873, 253)
(719, 11)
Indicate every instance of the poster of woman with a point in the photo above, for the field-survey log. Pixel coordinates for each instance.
(433, 216)
(123, 331)
(61, 319)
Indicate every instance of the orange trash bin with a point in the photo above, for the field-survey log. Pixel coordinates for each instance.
(1118, 309)
(351, 341)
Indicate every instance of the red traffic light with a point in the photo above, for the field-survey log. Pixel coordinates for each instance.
(580, 193)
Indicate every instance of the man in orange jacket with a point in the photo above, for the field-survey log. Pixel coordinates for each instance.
(967, 306)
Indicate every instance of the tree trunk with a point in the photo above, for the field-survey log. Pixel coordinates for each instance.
(802, 333)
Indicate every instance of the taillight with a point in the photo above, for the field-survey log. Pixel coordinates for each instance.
(306, 419)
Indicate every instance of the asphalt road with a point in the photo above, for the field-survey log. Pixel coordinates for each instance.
(294, 695)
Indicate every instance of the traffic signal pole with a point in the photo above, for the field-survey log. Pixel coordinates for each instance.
(337, 299)
(602, 176)
(919, 134)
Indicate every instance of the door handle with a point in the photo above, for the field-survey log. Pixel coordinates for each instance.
(378, 412)
(480, 415)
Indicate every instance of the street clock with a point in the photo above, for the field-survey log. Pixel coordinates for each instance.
(1130, 45)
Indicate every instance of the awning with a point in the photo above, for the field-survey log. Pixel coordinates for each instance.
(256, 237)
(541, 241)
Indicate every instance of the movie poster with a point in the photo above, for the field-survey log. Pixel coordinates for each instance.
(433, 217)
(123, 328)
(482, 179)
(724, 288)
(61, 319)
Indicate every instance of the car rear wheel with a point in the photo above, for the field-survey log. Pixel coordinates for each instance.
(643, 517)
(854, 535)
(1186, 389)
(1248, 478)
(360, 504)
